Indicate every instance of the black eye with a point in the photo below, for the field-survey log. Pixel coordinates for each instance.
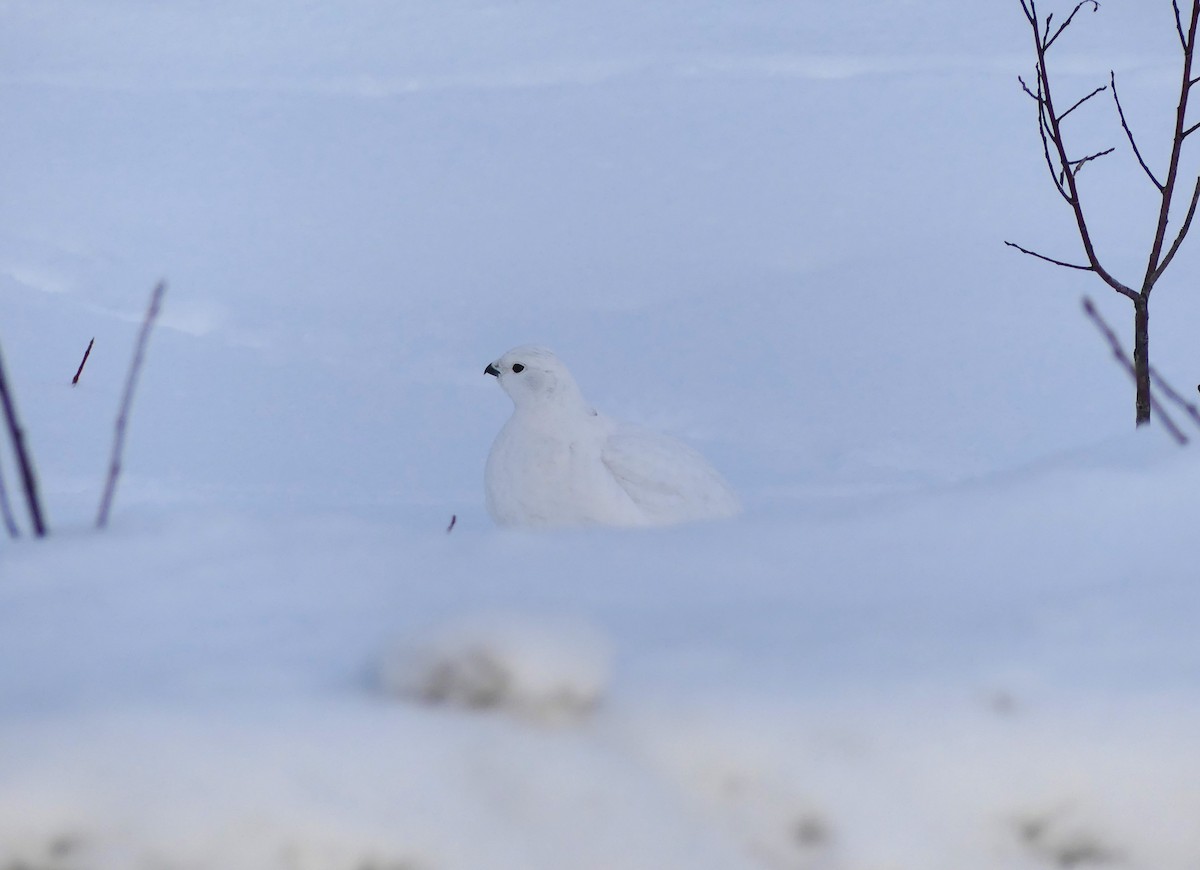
(518, 368)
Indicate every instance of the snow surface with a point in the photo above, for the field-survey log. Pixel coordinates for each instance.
(955, 626)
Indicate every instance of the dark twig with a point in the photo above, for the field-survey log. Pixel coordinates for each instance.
(1080, 102)
(1076, 165)
(1119, 354)
(1179, 25)
(24, 463)
(135, 367)
(83, 362)
(1046, 131)
(453, 520)
(1049, 42)
(1050, 259)
(10, 522)
(1137, 152)
(1183, 231)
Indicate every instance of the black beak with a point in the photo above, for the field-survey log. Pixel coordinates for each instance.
(492, 370)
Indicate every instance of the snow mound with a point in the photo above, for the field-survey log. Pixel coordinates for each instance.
(549, 671)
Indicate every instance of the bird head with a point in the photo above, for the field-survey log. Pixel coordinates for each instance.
(535, 378)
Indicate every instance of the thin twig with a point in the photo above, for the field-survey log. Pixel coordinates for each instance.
(1049, 42)
(1049, 134)
(1076, 165)
(135, 367)
(25, 464)
(1098, 90)
(1183, 231)
(10, 522)
(83, 362)
(453, 520)
(1137, 152)
(1179, 25)
(1050, 259)
(1154, 266)
(1118, 352)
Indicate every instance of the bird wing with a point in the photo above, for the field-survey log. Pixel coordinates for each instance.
(666, 478)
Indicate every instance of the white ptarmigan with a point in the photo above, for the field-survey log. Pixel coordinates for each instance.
(559, 462)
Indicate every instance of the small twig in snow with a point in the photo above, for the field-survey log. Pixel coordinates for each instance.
(83, 362)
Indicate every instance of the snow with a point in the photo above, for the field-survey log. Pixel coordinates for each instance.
(954, 627)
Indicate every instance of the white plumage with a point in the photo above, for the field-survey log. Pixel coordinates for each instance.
(559, 462)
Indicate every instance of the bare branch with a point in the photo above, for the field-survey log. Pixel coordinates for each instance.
(1076, 165)
(1179, 25)
(1059, 177)
(1157, 258)
(1192, 129)
(1098, 90)
(1048, 131)
(1063, 170)
(1112, 77)
(1183, 231)
(1119, 354)
(135, 367)
(1062, 263)
(25, 464)
(1050, 41)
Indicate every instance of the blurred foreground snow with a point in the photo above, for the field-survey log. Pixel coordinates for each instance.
(987, 677)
